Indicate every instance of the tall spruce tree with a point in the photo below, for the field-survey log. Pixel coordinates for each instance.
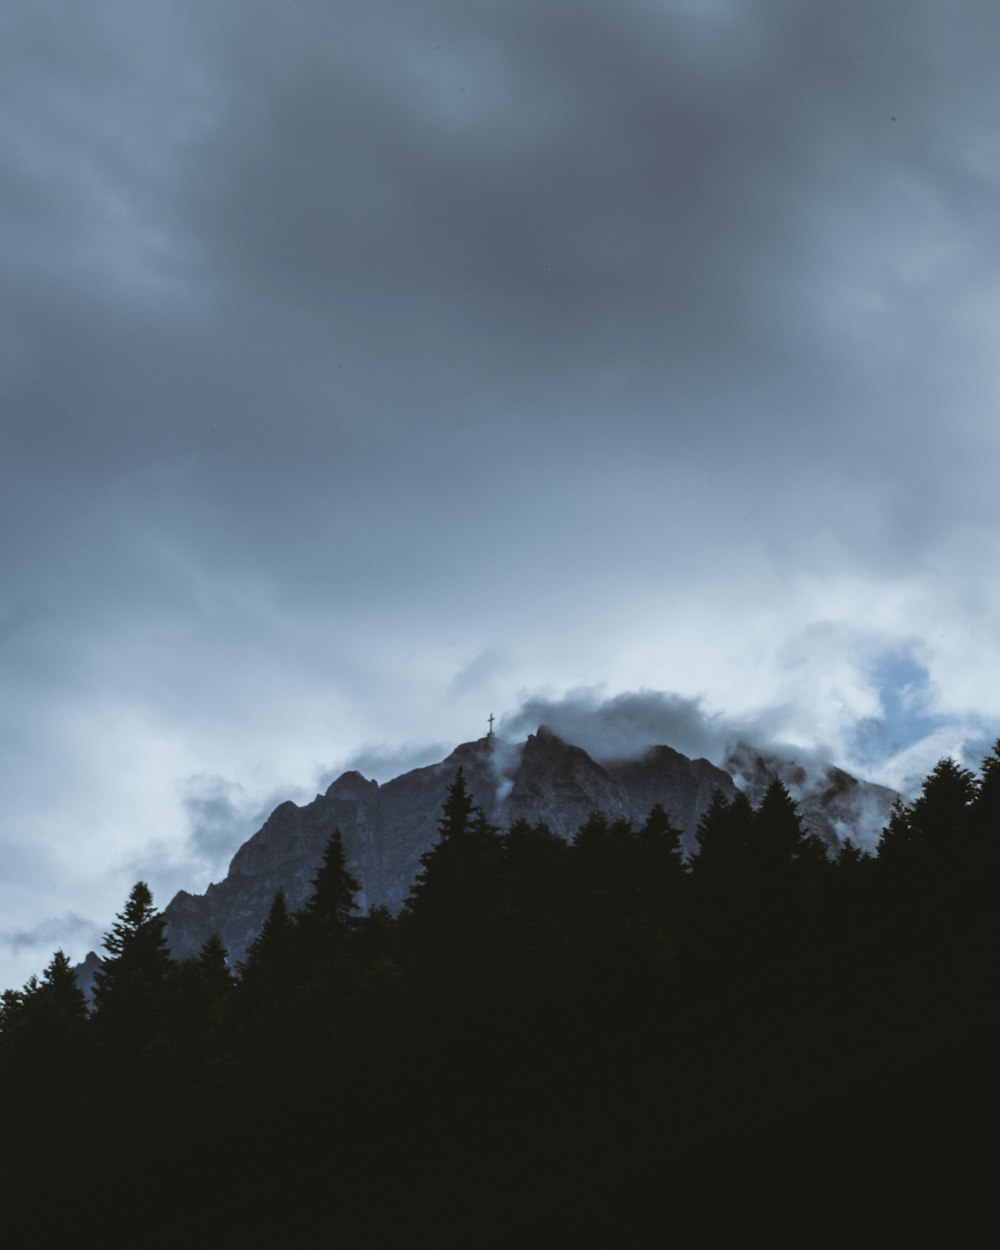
(129, 988)
(326, 929)
(895, 846)
(457, 888)
(664, 876)
(985, 820)
(923, 845)
(271, 994)
(940, 816)
(459, 809)
(44, 1048)
(329, 912)
(61, 1006)
(776, 834)
(719, 864)
(272, 955)
(200, 991)
(529, 920)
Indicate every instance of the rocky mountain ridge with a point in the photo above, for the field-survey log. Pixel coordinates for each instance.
(387, 828)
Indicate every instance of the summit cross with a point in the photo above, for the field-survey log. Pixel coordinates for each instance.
(490, 734)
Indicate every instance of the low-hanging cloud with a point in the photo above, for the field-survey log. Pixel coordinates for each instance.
(220, 814)
(51, 934)
(625, 725)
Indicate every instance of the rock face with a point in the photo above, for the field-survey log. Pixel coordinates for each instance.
(832, 804)
(387, 828)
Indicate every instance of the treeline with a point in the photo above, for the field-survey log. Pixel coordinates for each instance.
(531, 993)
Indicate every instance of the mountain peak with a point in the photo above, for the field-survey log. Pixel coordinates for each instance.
(387, 828)
(349, 783)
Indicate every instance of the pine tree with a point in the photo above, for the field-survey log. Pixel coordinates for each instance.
(853, 876)
(271, 956)
(328, 916)
(985, 821)
(776, 834)
(200, 993)
(939, 818)
(719, 864)
(458, 886)
(662, 841)
(459, 808)
(129, 989)
(617, 943)
(271, 997)
(213, 964)
(530, 918)
(45, 1036)
(534, 861)
(922, 846)
(61, 999)
(895, 845)
(325, 930)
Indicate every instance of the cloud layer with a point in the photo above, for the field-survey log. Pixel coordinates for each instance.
(367, 368)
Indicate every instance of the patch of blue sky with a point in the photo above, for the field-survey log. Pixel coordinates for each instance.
(904, 689)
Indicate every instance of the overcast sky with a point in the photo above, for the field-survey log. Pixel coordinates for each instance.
(366, 368)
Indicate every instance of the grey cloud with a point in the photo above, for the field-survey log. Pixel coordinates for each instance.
(382, 763)
(220, 816)
(625, 725)
(479, 671)
(591, 233)
(51, 933)
(342, 343)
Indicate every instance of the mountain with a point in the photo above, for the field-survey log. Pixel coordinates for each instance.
(832, 804)
(387, 828)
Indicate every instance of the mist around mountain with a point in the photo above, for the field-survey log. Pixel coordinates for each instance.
(387, 828)
(553, 1041)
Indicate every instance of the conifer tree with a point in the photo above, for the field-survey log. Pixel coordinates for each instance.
(271, 956)
(895, 845)
(719, 862)
(325, 930)
(213, 963)
(61, 1002)
(270, 995)
(328, 914)
(459, 808)
(534, 872)
(664, 876)
(530, 919)
(659, 835)
(617, 941)
(776, 833)
(376, 935)
(459, 883)
(604, 856)
(720, 891)
(922, 845)
(44, 1039)
(939, 817)
(984, 820)
(200, 990)
(129, 987)
(853, 870)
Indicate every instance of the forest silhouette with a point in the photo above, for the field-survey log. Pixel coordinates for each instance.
(552, 1043)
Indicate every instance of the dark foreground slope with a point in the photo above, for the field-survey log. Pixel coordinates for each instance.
(591, 1042)
(861, 1111)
